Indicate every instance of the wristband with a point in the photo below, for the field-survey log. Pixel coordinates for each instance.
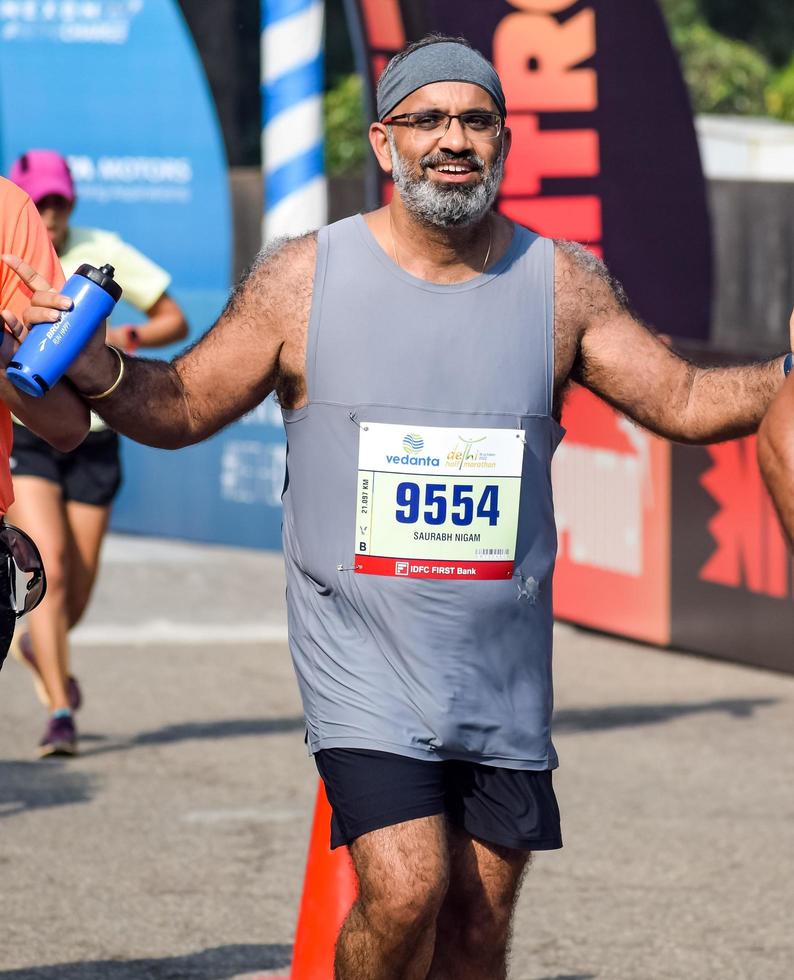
(116, 383)
(787, 363)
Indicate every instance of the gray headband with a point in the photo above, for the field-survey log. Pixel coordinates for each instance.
(444, 61)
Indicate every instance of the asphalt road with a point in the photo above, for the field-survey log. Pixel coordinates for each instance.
(173, 847)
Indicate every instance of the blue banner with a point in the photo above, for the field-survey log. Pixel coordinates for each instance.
(118, 88)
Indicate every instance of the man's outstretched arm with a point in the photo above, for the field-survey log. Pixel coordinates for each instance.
(776, 454)
(620, 360)
(236, 364)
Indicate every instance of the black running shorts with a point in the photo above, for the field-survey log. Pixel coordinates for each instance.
(90, 474)
(369, 790)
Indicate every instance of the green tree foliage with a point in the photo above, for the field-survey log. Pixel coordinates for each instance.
(729, 50)
(723, 75)
(780, 94)
(345, 146)
(680, 14)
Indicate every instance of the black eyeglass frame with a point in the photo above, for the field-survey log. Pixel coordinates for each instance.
(401, 119)
(22, 550)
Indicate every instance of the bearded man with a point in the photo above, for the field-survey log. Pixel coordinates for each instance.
(419, 354)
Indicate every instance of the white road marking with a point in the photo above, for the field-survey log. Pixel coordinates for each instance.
(166, 633)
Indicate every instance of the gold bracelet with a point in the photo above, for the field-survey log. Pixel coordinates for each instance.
(116, 383)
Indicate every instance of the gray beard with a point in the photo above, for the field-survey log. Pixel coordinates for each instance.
(450, 206)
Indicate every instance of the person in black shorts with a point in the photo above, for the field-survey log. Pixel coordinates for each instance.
(60, 416)
(369, 790)
(90, 474)
(63, 499)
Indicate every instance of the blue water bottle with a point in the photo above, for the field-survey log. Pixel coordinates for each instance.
(49, 348)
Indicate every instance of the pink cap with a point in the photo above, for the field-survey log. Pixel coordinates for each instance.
(43, 172)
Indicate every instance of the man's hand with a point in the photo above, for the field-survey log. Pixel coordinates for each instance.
(93, 370)
(60, 416)
(46, 303)
(15, 330)
(11, 334)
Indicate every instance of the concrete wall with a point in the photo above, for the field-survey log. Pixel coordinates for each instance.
(753, 226)
(746, 148)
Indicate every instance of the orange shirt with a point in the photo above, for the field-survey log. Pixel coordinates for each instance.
(23, 234)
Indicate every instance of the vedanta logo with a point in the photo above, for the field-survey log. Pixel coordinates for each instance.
(413, 444)
(413, 460)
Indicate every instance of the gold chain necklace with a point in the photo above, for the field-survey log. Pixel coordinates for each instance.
(394, 244)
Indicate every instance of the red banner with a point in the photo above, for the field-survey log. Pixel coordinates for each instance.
(612, 501)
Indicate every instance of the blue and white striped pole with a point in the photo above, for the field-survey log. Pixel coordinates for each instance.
(292, 115)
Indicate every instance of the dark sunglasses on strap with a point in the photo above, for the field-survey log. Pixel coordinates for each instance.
(19, 547)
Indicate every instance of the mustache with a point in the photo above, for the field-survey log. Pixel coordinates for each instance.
(437, 159)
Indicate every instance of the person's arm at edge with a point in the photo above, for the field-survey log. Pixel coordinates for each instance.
(61, 416)
(624, 363)
(776, 454)
(229, 371)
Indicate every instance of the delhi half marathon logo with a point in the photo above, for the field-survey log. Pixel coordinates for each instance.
(468, 454)
(413, 443)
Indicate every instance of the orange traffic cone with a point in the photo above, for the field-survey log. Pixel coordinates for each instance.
(329, 890)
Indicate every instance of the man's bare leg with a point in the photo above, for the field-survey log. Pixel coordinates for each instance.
(403, 873)
(473, 929)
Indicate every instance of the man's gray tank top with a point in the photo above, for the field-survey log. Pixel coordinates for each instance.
(432, 668)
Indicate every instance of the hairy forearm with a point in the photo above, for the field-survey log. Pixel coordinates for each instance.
(232, 368)
(149, 405)
(727, 402)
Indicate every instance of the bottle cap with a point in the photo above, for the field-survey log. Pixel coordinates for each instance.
(102, 277)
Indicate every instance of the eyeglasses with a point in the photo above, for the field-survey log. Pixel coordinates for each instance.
(25, 555)
(476, 124)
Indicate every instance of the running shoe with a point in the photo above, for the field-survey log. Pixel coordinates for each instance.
(60, 737)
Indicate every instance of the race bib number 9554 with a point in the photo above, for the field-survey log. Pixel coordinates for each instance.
(437, 502)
